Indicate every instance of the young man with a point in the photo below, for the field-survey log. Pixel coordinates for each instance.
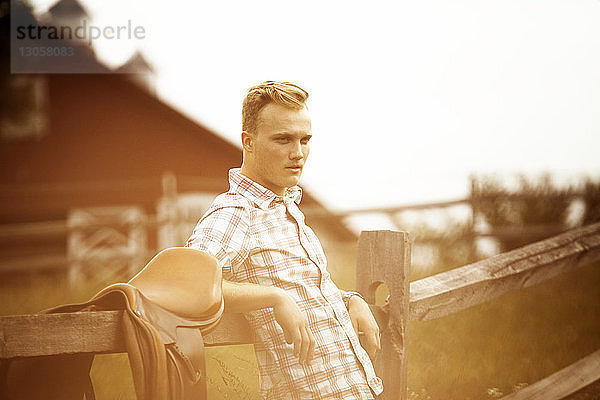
(274, 268)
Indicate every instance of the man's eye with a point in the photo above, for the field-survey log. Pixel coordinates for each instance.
(305, 140)
(283, 140)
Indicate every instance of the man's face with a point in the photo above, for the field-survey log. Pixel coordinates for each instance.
(275, 154)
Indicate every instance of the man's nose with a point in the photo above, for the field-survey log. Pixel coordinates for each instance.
(296, 151)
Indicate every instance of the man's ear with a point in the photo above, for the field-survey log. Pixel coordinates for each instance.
(247, 141)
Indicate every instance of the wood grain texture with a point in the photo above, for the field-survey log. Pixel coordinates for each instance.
(53, 334)
(384, 257)
(233, 329)
(564, 382)
(464, 287)
(89, 332)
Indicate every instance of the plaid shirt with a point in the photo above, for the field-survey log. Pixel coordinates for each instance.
(261, 238)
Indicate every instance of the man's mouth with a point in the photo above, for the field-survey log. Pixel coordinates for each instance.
(295, 168)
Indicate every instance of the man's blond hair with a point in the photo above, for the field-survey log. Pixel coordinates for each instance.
(286, 94)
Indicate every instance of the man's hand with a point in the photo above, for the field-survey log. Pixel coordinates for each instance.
(364, 324)
(245, 297)
(295, 327)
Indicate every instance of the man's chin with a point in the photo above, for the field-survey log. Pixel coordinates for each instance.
(292, 181)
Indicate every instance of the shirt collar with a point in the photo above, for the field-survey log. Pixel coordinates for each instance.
(258, 194)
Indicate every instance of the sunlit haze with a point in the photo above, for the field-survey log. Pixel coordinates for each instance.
(407, 98)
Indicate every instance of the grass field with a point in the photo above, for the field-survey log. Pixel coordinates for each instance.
(479, 353)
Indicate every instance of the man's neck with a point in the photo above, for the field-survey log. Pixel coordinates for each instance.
(256, 178)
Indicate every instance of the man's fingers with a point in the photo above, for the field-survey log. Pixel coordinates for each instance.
(295, 329)
(292, 336)
(288, 335)
(304, 349)
(297, 340)
(311, 347)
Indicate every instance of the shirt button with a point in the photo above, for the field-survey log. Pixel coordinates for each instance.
(375, 381)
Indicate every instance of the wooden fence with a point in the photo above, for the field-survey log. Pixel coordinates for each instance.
(383, 258)
(21, 233)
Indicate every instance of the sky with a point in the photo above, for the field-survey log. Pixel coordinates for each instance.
(408, 98)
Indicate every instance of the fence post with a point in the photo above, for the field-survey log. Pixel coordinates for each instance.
(384, 257)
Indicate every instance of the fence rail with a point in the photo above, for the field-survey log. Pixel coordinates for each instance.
(89, 332)
(563, 383)
(452, 203)
(460, 288)
(383, 258)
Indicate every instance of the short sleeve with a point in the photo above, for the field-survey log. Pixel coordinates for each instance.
(223, 233)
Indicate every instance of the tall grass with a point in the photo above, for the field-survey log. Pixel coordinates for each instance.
(517, 339)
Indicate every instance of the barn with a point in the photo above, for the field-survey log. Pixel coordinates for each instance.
(96, 166)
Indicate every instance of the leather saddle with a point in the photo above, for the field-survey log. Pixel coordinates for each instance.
(168, 305)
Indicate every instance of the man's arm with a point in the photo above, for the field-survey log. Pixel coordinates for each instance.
(225, 234)
(244, 297)
(364, 323)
